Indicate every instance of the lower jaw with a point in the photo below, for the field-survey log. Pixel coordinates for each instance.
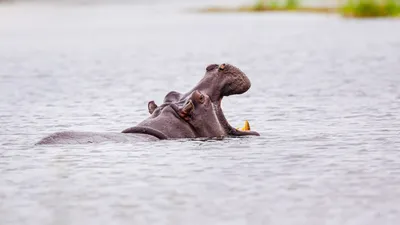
(231, 131)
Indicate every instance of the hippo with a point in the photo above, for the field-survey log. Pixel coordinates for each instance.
(194, 114)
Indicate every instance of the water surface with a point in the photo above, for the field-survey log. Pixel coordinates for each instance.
(325, 97)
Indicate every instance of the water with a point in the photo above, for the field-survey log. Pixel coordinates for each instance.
(325, 98)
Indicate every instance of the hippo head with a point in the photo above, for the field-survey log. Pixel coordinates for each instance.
(198, 112)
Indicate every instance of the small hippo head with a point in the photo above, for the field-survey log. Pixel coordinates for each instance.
(198, 112)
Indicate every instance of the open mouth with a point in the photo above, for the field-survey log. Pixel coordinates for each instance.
(230, 129)
(224, 80)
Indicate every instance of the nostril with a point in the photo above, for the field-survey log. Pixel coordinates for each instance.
(211, 67)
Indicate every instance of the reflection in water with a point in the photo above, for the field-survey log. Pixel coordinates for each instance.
(325, 98)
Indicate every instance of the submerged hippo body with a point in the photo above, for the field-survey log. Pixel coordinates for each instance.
(195, 114)
(73, 137)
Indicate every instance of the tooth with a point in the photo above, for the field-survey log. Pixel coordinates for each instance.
(246, 126)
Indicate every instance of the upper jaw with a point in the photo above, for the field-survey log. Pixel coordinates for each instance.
(221, 80)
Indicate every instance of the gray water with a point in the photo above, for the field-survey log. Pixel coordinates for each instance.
(325, 97)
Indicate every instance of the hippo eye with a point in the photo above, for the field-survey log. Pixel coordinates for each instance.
(222, 66)
(201, 98)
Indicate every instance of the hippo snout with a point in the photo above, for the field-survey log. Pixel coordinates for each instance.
(222, 80)
(233, 79)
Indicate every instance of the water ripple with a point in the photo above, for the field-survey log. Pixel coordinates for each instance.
(324, 96)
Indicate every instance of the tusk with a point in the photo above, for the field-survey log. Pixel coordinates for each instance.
(245, 127)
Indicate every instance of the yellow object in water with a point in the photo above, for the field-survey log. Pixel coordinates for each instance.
(245, 127)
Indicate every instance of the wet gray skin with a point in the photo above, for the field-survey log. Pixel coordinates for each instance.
(196, 117)
(195, 114)
(218, 81)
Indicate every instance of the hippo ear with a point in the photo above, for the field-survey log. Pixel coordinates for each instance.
(172, 96)
(151, 106)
